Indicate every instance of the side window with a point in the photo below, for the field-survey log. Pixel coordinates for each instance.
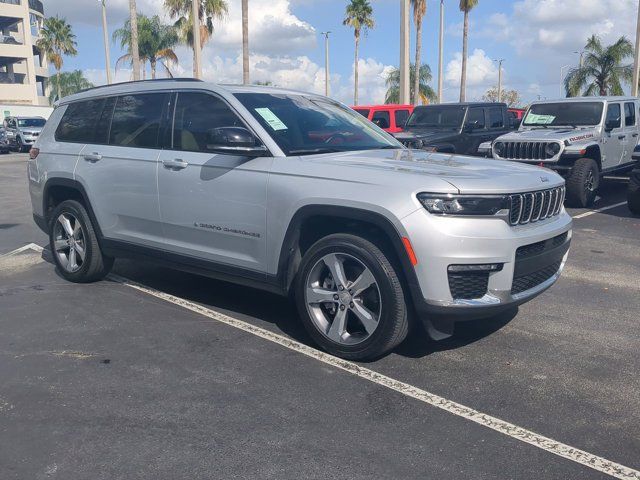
(196, 116)
(104, 122)
(136, 120)
(363, 111)
(382, 119)
(613, 115)
(495, 118)
(629, 114)
(78, 122)
(475, 118)
(401, 117)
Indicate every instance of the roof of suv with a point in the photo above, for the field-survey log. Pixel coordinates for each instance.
(172, 83)
(588, 99)
(465, 104)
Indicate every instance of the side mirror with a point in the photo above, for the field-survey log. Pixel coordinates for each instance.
(611, 124)
(235, 140)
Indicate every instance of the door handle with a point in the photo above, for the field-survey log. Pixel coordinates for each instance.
(176, 164)
(634, 135)
(93, 157)
(621, 137)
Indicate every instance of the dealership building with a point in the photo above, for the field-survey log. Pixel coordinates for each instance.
(24, 74)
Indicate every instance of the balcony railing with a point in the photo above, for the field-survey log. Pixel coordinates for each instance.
(12, 78)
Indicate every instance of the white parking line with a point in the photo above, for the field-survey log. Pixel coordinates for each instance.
(547, 444)
(593, 212)
(30, 246)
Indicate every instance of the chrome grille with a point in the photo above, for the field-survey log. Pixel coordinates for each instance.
(535, 206)
(526, 151)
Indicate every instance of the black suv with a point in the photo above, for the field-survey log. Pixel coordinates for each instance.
(455, 127)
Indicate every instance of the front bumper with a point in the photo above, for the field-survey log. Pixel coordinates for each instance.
(443, 241)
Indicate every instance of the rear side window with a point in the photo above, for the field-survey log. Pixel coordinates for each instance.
(78, 122)
(401, 117)
(195, 118)
(629, 114)
(382, 119)
(495, 118)
(136, 120)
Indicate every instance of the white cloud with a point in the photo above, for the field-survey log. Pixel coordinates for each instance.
(481, 70)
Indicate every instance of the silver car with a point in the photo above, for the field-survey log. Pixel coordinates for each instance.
(299, 195)
(22, 132)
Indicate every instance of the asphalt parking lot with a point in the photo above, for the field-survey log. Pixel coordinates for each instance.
(161, 374)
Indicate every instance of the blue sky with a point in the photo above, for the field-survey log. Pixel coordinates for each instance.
(535, 37)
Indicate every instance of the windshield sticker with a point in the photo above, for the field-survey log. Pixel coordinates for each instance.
(539, 119)
(271, 118)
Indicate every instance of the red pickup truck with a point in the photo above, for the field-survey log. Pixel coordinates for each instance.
(389, 117)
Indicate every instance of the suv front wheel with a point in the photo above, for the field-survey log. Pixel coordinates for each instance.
(583, 183)
(350, 298)
(74, 244)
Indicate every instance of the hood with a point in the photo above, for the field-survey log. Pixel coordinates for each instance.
(426, 135)
(417, 170)
(565, 135)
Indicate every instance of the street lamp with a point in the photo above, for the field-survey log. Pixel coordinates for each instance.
(106, 41)
(562, 79)
(581, 52)
(326, 62)
(499, 77)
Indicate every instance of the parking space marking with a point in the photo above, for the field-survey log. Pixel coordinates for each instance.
(547, 444)
(593, 212)
(29, 246)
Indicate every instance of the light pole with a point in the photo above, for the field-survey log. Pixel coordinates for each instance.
(404, 52)
(197, 54)
(499, 78)
(440, 47)
(636, 61)
(562, 79)
(106, 41)
(245, 42)
(326, 62)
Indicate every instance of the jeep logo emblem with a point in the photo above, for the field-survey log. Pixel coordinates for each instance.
(544, 179)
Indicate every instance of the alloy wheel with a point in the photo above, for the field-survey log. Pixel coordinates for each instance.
(343, 298)
(69, 242)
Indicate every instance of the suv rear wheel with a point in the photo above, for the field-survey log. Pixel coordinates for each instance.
(74, 244)
(350, 298)
(583, 183)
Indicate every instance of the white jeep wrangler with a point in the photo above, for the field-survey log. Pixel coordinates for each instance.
(581, 138)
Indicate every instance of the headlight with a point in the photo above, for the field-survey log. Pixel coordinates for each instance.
(552, 149)
(499, 148)
(446, 204)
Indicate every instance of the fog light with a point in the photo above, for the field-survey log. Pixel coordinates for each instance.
(483, 267)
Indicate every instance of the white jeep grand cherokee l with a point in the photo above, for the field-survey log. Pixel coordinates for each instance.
(296, 194)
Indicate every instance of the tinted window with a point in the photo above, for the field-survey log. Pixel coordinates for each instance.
(495, 118)
(437, 116)
(136, 120)
(401, 117)
(196, 115)
(613, 115)
(564, 113)
(104, 122)
(363, 111)
(475, 117)
(382, 119)
(78, 122)
(306, 125)
(31, 122)
(629, 114)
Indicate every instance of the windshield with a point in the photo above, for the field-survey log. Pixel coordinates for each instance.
(565, 113)
(303, 125)
(31, 122)
(437, 116)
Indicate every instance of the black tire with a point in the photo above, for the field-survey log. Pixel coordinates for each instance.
(393, 324)
(95, 265)
(633, 192)
(583, 183)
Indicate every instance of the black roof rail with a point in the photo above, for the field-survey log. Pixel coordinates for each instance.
(178, 79)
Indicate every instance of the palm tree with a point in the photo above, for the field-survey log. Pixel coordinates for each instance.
(424, 93)
(465, 6)
(208, 11)
(419, 11)
(359, 16)
(57, 39)
(156, 42)
(69, 83)
(135, 51)
(602, 70)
